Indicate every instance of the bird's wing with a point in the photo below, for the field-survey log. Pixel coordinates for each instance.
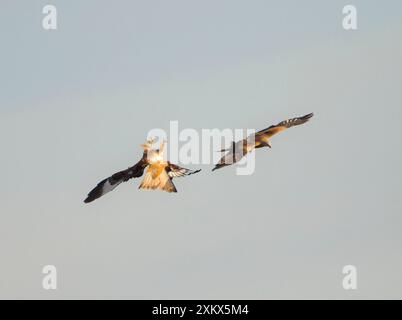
(233, 155)
(174, 171)
(113, 181)
(281, 126)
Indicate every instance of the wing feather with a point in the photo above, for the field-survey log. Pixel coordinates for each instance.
(281, 126)
(174, 171)
(113, 181)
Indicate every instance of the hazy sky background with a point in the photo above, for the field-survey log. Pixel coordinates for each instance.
(76, 103)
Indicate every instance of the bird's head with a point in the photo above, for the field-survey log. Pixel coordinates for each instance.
(149, 144)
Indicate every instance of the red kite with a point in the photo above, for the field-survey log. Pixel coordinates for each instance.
(258, 140)
(158, 176)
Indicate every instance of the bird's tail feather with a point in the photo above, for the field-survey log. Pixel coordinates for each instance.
(161, 182)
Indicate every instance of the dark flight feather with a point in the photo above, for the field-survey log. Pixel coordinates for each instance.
(113, 181)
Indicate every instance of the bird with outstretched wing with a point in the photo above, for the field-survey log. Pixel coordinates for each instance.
(258, 140)
(158, 176)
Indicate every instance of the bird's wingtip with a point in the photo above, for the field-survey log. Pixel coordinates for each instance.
(90, 198)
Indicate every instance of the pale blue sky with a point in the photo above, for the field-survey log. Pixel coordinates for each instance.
(76, 103)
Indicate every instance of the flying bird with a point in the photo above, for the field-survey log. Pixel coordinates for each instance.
(158, 175)
(258, 140)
